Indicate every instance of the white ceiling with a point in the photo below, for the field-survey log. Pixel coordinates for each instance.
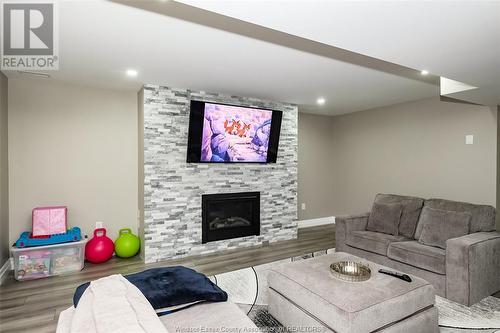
(459, 40)
(99, 40)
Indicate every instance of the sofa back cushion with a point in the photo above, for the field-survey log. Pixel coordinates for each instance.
(384, 218)
(411, 211)
(440, 225)
(483, 216)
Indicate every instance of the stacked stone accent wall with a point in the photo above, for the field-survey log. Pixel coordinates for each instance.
(173, 188)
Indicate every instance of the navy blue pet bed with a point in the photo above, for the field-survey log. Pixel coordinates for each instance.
(170, 286)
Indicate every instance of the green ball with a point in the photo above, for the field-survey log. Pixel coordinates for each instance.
(127, 244)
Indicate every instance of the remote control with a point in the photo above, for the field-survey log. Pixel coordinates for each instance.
(403, 277)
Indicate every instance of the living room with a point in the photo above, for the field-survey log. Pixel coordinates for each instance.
(260, 166)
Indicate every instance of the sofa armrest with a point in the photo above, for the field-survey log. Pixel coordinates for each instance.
(345, 224)
(472, 267)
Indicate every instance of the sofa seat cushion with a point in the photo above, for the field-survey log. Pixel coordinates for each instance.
(419, 255)
(371, 241)
(209, 317)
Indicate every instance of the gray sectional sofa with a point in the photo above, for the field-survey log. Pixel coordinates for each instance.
(452, 245)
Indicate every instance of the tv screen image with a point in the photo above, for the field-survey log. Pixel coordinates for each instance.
(232, 134)
(220, 133)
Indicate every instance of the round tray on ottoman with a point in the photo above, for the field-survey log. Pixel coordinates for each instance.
(350, 271)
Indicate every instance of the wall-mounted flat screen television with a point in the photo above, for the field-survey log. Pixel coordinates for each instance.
(221, 133)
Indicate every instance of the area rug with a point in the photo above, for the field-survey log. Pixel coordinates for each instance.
(248, 288)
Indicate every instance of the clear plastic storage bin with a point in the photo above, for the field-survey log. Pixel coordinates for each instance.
(43, 261)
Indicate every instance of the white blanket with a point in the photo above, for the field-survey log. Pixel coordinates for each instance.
(111, 304)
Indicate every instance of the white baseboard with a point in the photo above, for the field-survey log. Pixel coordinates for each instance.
(316, 222)
(4, 271)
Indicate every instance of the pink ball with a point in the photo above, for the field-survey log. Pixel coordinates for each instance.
(100, 248)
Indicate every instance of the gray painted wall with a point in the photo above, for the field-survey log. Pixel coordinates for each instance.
(415, 148)
(498, 167)
(316, 166)
(173, 188)
(4, 172)
(76, 146)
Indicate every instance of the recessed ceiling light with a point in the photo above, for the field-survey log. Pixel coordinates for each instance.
(424, 72)
(321, 101)
(131, 72)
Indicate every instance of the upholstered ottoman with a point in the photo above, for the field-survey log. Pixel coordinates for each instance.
(306, 296)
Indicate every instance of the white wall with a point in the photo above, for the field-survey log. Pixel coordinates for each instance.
(76, 146)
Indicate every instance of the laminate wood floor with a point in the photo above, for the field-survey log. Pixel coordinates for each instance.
(34, 306)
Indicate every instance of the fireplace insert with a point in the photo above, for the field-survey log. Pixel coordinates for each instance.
(230, 215)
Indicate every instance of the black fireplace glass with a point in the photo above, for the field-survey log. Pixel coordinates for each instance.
(230, 215)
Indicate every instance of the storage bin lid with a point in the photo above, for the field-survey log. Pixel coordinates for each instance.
(31, 248)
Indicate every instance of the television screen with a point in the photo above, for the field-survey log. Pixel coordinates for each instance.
(220, 133)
